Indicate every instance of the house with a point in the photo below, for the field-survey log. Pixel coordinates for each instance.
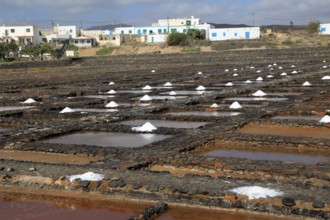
(325, 29)
(22, 34)
(220, 34)
(104, 37)
(59, 34)
(83, 41)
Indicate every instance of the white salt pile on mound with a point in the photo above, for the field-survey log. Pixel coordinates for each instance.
(284, 74)
(259, 93)
(256, 192)
(325, 119)
(112, 104)
(199, 88)
(325, 77)
(147, 127)
(153, 71)
(235, 105)
(229, 84)
(214, 105)
(248, 81)
(89, 176)
(172, 93)
(226, 70)
(168, 84)
(294, 72)
(111, 83)
(146, 98)
(270, 76)
(235, 74)
(259, 78)
(67, 110)
(112, 92)
(306, 84)
(147, 87)
(29, 101)
(200, 73)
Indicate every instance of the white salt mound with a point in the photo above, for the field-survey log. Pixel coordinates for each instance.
(29, 101)
(66, 110)
(229, 84)
(172, 93)
(226, 70)
(294, 72)
(235, 105)
(306, 84)
(111, 83)
(259, 78)
(280, 68)
(214, 105)
(199, 73)
(256, 192)
(89, 176)
(112, 104)
(284, 74)
(325, 77)
(112, 92)
(324, 67)
(270, 76)
(147, 127)
(259, 93)
(200, 88)
(248, 81)
(258, 71)
(147, 87)
(168, 84)
(235, 74)
(153, 71)
(146, 98)
(325, 119)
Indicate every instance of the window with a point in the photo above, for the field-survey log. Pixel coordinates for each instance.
(130, 31)
(151, 32)
(70, 30)
(173, 30)
(214, 34)
(12, 30)
(184, 30)
(224, 34)
(88, 41)
(122, 32)
(323, 29)
(28, 30)
(159, 31)
(144, 31)
(139, 31)
(235, 34)
(76, 41)
(165, 31)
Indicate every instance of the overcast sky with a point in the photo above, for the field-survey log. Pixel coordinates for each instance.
(144, 12)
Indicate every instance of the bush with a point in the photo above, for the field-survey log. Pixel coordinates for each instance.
(105, 51)
(175, 39)
(313, 27)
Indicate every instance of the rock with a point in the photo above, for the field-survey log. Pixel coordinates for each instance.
(318, 204)
(84, 183)
(136, 186)
(288, 202)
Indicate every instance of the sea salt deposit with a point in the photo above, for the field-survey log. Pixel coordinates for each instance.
(284, 74)
(235, 74)
(214, 105)
(248, 82)
(325, 77)
(259, 78)
(168, 84)
(235, 105)
(29, 101)
(147, 127)
(256, 192)
(259, 93)
(200, 88)
(66, 110)
(111, 83)
(112, 92)
(112, 104)
(306, 84)
(229, 84)
(325, 119)
(172, 93)
(146, 98)
(89, 176)
(294, 72)
(270, 76)
(147, 87)
(200, 73)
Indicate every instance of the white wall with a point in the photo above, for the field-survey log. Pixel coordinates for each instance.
(124, 30)
(157, 38)
(21, 34)
(72, 31)
(325, 28)
(234, 33)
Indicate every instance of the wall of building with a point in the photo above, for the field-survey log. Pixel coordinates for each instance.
(83, 42)
(158, 38)
(25, 34)
(325, 29)
(72, 31)
(234, 33)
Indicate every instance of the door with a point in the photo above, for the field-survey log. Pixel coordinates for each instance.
(247, 35)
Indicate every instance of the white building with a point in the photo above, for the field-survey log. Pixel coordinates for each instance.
(325, 29)
(68, 31)
(234, 33)
(23, 34)
(178, 22)
(83, 41)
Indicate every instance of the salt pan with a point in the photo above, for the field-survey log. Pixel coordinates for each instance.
(256, 192)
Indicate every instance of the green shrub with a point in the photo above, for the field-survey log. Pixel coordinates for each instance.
(105, 51)
(177, 39)
(287, 42)
(313, 27)
(73, 47)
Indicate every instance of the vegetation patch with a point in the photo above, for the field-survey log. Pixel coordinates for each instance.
(105, 51)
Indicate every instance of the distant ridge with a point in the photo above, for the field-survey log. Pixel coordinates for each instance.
(229, 25)
(108, 27)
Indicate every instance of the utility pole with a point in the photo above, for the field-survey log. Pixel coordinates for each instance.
(253, 19)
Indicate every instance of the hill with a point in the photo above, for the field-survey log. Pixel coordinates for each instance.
(108, 27)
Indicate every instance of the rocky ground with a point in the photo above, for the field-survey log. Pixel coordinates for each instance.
(174, 170)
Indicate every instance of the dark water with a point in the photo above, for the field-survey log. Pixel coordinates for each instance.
(165, 123)
(308, 118)
(108, 139)
(211, 114)
(271, 156)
